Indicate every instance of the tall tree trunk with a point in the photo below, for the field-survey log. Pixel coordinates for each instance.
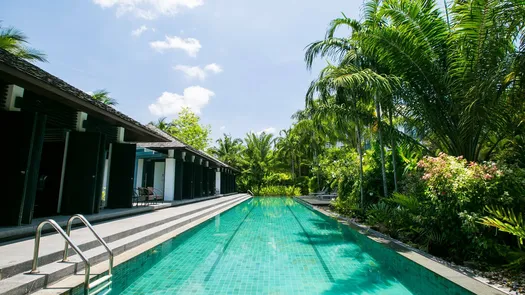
(317, 170)
(293, 169)
(381, 146)
(360, 152)
(394, 150)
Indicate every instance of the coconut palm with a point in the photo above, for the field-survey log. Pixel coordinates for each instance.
(162, 124)
(228, 150)
(258, 157)
(287, 146)
(102, 95)
(15, 42)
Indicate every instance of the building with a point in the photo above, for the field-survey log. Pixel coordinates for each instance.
(178, 171)
(60, 147)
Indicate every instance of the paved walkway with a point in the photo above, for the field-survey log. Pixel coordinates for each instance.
(12, 253)
(8, 233)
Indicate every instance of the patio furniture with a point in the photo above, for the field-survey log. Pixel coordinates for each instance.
(321, 192)
(141, 196)
(329, 196)
(155, 194)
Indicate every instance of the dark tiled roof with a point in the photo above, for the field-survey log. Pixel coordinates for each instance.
(36, 72)
(177, 143)
(168, 145)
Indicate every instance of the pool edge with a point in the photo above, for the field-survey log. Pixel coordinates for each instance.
(423, 259)
(69, 284)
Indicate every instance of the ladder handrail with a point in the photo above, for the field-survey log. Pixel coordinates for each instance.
(90, 227)
(57, 227)
(250, 192)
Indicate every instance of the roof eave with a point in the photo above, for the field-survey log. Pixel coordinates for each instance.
(32, 83)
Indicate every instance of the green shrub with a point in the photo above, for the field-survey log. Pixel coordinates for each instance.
(452, 194)
(277, 191)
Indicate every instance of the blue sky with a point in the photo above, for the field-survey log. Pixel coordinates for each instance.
(237, 63)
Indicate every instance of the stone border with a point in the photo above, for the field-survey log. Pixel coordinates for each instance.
(459, 276)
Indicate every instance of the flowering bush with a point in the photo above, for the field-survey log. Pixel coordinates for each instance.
(452, 194)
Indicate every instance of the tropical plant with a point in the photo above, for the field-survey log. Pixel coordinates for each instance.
(277, 191)
(102, 95)
(15, 42)
(506, 221)
(509, 222)
(258, 158)
(162, 124)
(228, 150)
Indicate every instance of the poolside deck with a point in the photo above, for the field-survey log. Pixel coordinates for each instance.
(8, 233)
(315, 201)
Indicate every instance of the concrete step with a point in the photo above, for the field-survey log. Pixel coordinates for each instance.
(25, 283)
(16, 257)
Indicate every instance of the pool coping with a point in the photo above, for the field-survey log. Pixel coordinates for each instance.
(468, 281)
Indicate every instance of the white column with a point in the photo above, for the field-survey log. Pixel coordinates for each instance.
(159, 169)
(218, 181)
(140, 170)
(169, 180)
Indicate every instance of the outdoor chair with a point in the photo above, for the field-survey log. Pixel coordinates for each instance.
(141, 196)
(329, 196)
(155, 194)
(321, 192)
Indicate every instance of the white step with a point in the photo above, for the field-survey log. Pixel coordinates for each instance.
(25, 283)
(16, 257)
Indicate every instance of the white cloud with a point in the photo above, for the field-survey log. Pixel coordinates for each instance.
(194, 97)
(139, 31)
(215, 68)
(269, 130)
(197, 72)
(191, 72)
(149, 9)
(190, 45)
(222, 127)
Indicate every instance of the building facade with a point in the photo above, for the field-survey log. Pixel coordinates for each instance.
(64, 153)
(179, 171)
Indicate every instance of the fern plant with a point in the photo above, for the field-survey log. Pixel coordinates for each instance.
(506, 221)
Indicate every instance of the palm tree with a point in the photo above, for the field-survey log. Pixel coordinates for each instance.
(228, 150)
(286, 145)
(14, 42)
(102, 95)
(455, 69)
(353, 80)
(162, 124)
(258, 157)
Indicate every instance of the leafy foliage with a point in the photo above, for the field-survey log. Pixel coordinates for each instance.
(15, 42)
(430, 105)
(102, 95)
(228, 150)
(187, 128)
(278, 191)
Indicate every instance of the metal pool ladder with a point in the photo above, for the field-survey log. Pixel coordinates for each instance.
(90, 288)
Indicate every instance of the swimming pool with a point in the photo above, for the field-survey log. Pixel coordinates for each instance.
(274, 246)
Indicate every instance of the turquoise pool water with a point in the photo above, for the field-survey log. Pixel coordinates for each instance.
(274, 246)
